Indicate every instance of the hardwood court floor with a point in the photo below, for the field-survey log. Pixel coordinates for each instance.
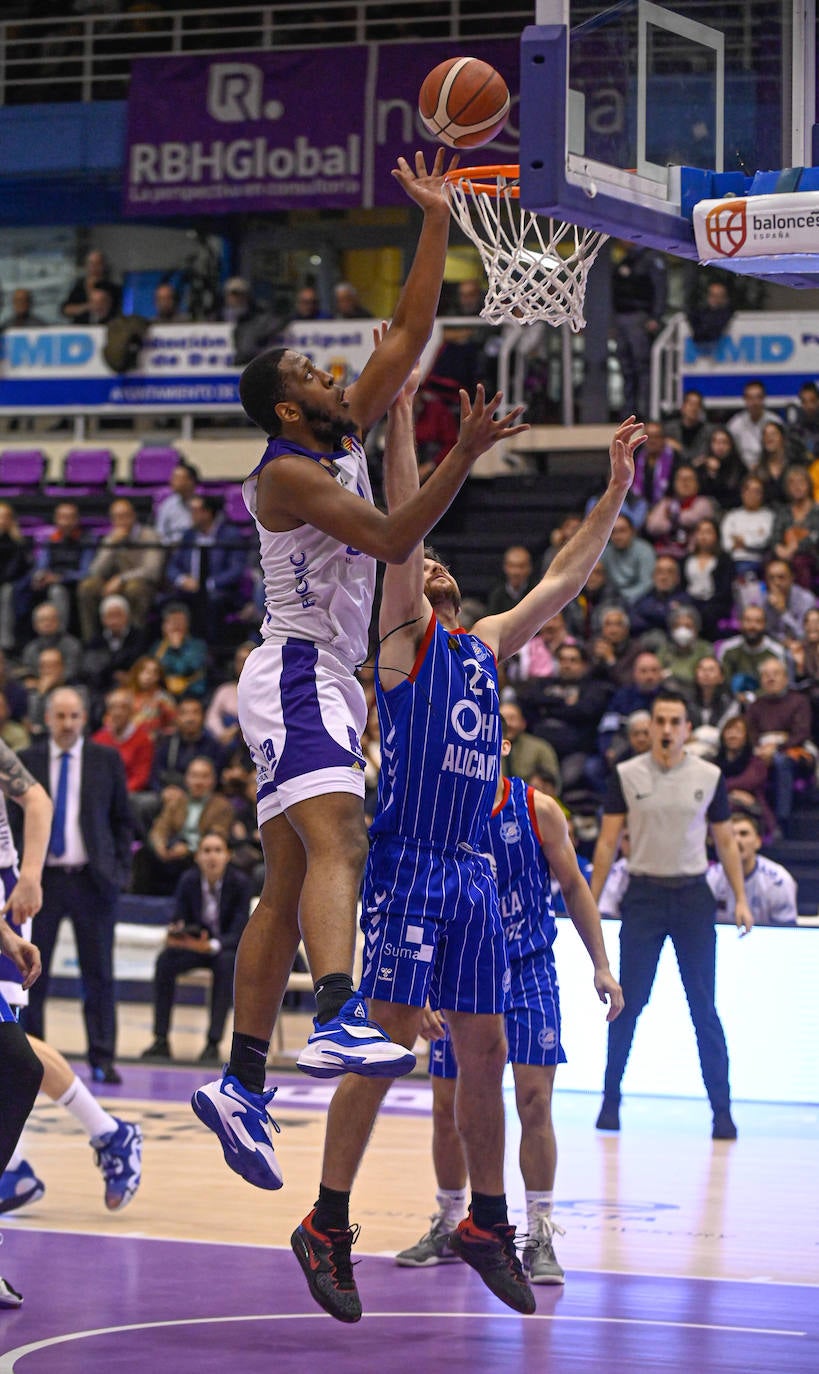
(681, 1253)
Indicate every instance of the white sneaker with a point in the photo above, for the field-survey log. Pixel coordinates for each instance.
(539, 1259)
(349, 1043)
(432, 1248)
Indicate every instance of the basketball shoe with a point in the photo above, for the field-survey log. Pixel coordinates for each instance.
(242, 1123)
(492, 1255)
(608, 1118)
(539, 1259)
(350, 1043)
(325, 1259)
(723, 1128)
(433, 1248)
(19, 1187)
(119, 1156)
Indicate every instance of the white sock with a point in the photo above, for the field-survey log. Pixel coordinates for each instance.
(84, 1106)
(452, 1202)
(18, 1157)
(537, 1205)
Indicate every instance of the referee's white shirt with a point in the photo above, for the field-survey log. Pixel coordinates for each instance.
(668, 810)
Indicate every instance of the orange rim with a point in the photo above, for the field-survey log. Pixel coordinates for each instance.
(475, 180)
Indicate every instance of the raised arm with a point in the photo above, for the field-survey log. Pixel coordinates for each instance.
(391, 363)
(404, 610)
(304, 490)
(569, 571)
(581, 906)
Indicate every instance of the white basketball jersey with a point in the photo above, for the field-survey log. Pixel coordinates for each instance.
(316, 588)
(8, 851)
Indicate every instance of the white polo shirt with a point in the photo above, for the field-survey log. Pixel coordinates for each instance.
(669, 811)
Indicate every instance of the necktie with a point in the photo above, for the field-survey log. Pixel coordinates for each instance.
(57, 845)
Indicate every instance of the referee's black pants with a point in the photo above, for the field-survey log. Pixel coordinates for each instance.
(73, 893)
(650, 912)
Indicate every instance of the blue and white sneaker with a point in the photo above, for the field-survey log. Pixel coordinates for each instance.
(241, 1121)
(119, 1156)
(19, 1187)
(350, 1043)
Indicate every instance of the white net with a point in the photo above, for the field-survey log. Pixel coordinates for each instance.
(536, 269)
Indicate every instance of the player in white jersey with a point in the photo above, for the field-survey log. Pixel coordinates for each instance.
(530, 842)
(301, 710)
(770, 889)
(419, 613)
(20, 1070)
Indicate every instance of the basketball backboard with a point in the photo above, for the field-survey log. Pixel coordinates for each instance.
(613, 101)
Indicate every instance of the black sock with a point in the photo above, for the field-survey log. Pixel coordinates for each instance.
(21, 1074)
(248, 1057)
(332, 991)
(489, 1211)
(332, 1210)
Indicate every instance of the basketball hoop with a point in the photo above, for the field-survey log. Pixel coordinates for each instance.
(529, 278)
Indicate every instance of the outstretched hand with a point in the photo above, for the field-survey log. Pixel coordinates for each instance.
(425, 188)
(479, 430)
(24, 955)
(628, 437)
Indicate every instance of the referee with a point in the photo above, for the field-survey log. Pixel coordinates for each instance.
(669, 798)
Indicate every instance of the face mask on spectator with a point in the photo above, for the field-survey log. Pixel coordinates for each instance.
(682, 635)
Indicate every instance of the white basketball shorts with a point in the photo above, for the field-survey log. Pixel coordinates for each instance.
(302, 714)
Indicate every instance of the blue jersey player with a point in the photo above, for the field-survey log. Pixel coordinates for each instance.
(301, 707)
(530, 844)
(431, 918)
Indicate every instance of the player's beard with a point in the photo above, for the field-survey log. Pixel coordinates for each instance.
(438, 595)
(330, 429)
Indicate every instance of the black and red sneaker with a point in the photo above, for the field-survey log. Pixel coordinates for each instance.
(325, 1258)
(492, 1254)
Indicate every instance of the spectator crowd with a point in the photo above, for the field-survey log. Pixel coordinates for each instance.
(708, 582)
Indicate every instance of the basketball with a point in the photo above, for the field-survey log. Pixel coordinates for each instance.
(464, 102)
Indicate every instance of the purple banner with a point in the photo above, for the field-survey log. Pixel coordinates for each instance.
(287, 130)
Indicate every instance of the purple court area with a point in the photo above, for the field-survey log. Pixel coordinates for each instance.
(410, 1097)
(98, 1305)
(101, 1304)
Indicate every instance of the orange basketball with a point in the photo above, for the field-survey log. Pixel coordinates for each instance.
(464, 102)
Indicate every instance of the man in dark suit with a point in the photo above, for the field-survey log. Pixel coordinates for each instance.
(88, 863)
(205, 569)
(211, 909)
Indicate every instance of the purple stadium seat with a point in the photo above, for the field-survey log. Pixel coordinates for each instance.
(88, 467)
(22, 467)
(152, 467)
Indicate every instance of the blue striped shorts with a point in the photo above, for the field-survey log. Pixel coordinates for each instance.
(432, 928)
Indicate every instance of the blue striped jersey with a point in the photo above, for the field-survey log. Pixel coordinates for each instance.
(440, 742)
(522, 873)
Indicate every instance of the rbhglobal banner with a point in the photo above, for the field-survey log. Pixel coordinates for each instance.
(285, 130)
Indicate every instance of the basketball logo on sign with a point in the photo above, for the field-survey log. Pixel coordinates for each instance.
(726, 227)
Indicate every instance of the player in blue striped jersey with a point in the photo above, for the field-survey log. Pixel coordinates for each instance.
(430, 912)
(530, 845)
